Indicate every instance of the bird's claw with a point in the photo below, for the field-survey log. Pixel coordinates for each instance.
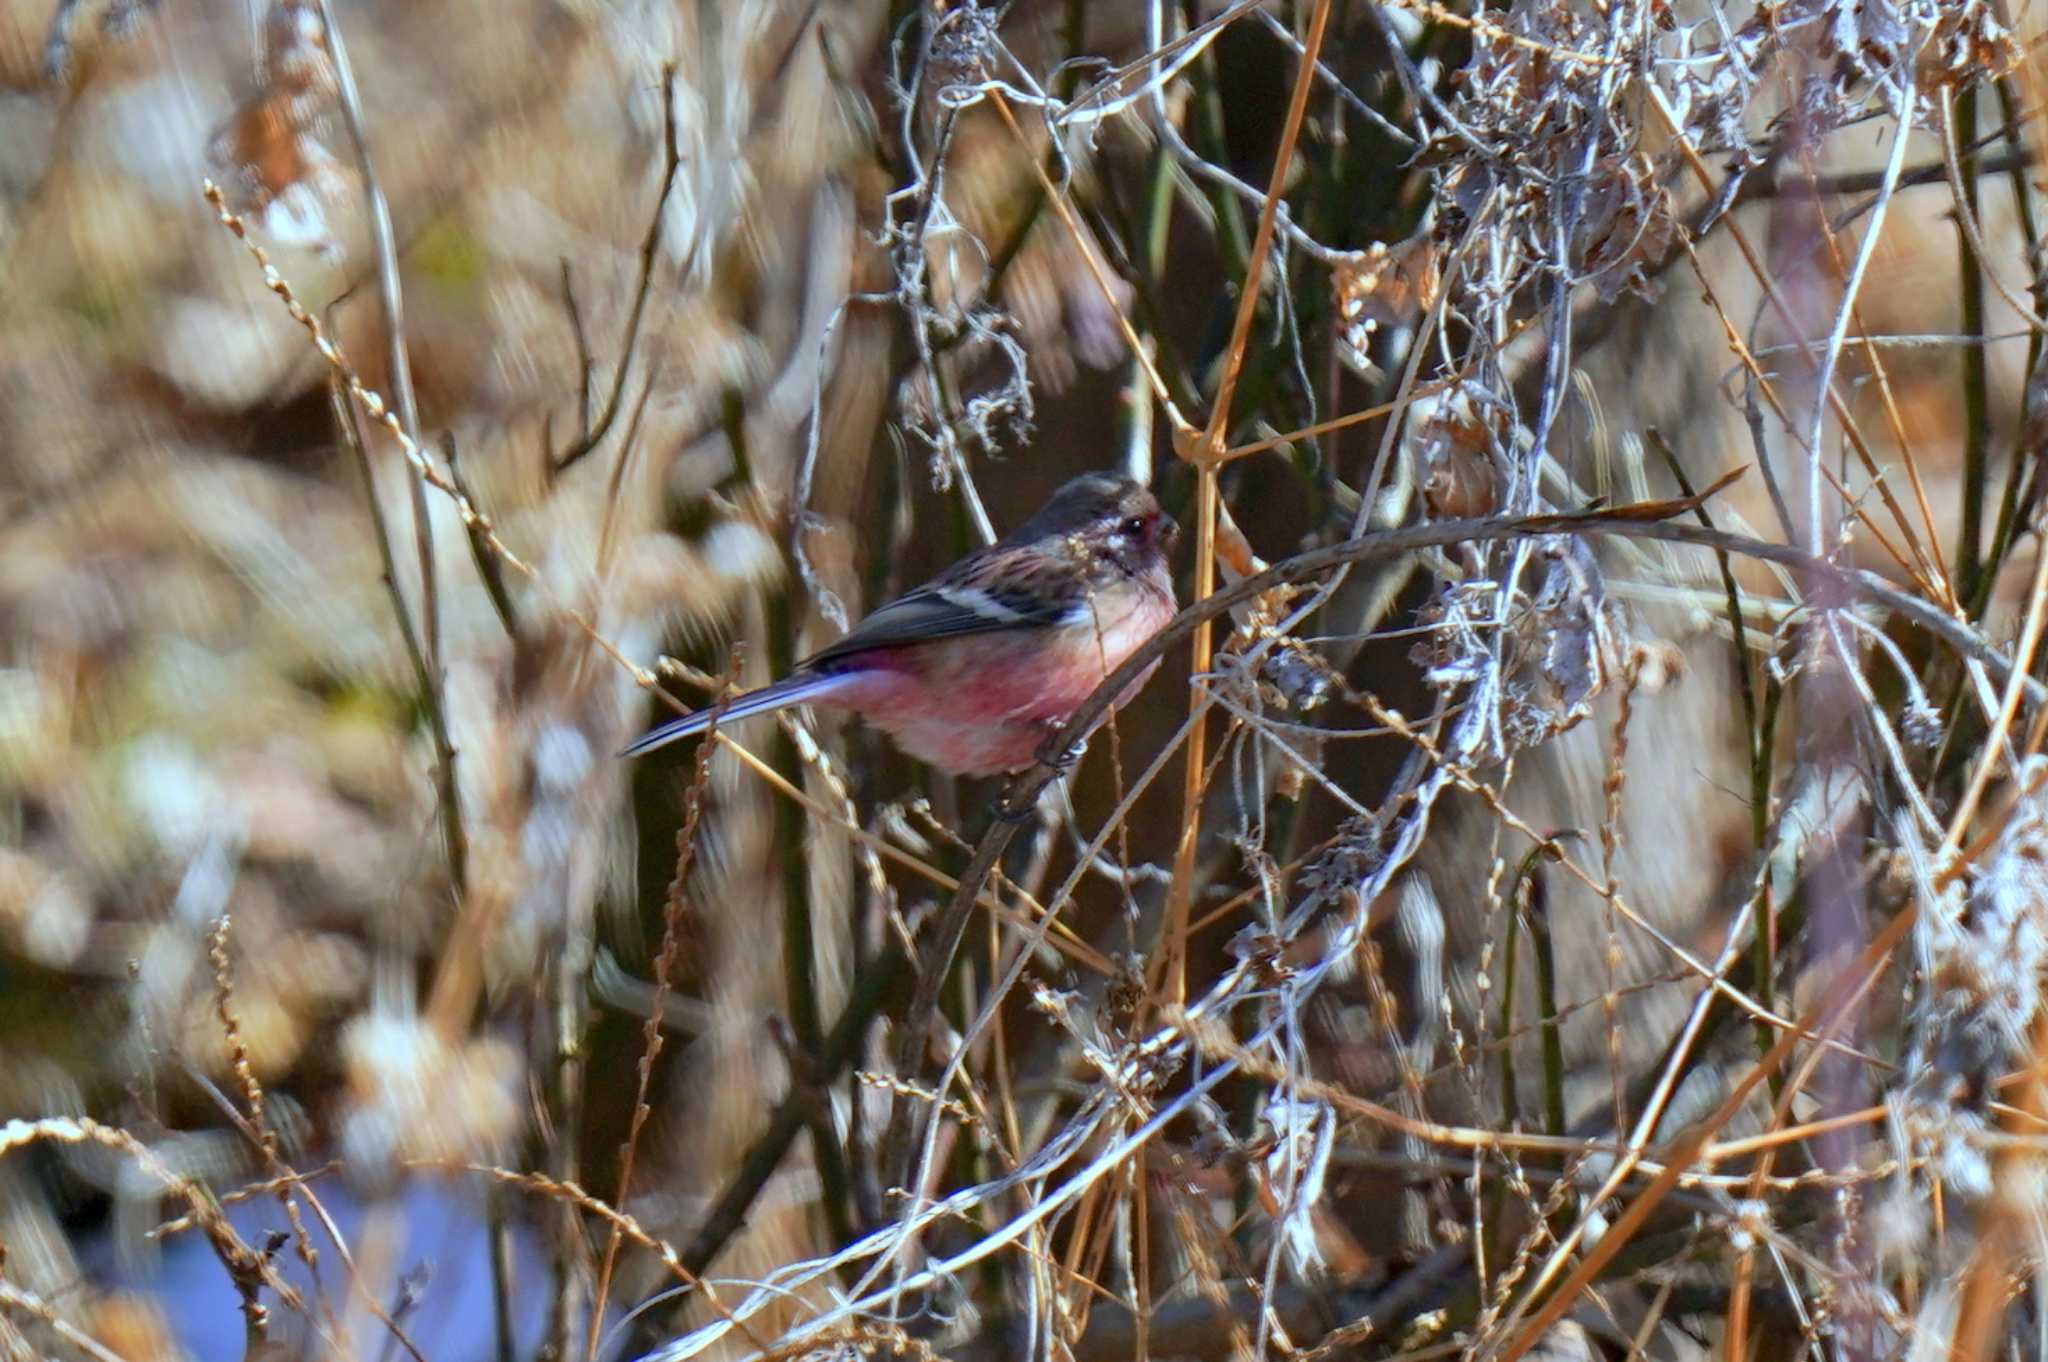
(1062, 759)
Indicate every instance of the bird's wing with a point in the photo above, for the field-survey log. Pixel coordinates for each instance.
(947, 608)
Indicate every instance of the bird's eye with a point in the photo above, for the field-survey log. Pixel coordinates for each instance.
(1133, 526)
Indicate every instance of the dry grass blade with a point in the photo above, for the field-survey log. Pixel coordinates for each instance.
(672, 934)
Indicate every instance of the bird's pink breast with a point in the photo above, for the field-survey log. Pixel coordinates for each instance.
(985, 703)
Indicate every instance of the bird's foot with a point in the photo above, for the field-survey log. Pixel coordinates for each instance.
(1062, 759)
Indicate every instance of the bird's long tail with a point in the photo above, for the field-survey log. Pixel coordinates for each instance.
(793, 690)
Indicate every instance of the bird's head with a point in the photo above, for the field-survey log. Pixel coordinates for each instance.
(1114, 517)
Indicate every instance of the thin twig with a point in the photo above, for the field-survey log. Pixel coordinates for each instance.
(487, 566)
(650, 252)
(392, 300)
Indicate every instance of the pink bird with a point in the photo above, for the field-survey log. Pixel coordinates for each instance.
(974, 670)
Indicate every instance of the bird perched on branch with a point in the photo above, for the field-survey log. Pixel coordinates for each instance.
(973, 671)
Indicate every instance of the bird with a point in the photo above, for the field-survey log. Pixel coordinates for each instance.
(972, 672)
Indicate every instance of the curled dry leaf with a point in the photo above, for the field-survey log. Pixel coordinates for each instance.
(1448, 449)
(1971, 42)
(1623, 227)
(279, 172)
(1578, 632)
(1384, 289)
